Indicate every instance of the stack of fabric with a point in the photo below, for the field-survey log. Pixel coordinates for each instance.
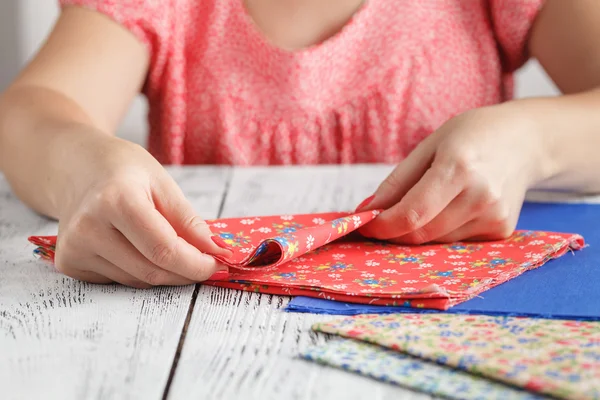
(319, 255)
(549, 357)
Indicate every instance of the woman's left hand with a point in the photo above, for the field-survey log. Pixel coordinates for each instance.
(466, 181)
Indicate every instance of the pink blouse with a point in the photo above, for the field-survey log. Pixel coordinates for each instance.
(220, 93)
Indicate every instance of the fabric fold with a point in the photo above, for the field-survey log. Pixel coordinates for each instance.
(549, 357)
(296, 236)
(404, 370)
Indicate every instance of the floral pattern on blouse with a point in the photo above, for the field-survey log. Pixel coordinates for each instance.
(321, 255)
(549, 357)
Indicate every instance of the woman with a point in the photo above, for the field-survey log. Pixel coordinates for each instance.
(426, 85)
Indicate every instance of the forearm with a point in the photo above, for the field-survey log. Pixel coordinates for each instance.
(568, 128)
(40, 132)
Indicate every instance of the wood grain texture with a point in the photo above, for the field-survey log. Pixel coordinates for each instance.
(64, 339)
(241, 345)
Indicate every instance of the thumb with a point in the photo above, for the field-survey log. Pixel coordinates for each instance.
(172, 204)
(406, 174)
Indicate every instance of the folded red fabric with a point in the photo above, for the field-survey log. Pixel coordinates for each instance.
(321, 255)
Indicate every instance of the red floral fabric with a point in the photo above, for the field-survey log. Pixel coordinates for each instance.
(321, 255)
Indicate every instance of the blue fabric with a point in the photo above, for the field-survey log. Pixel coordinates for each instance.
(563, 288)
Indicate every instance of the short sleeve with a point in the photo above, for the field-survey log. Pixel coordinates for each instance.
(512, 21)
(148, 20)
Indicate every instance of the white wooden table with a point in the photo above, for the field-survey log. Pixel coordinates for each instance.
(64, 339)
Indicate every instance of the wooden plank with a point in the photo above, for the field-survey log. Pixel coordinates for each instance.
(241, 345)
(65, 339)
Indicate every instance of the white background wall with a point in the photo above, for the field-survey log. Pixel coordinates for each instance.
(25, 23)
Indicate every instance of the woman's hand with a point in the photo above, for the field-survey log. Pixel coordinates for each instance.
(123, 219)
(466, 181)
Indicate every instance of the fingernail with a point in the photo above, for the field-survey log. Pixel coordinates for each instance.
(221, 243)
(365, 202)
(219, 276)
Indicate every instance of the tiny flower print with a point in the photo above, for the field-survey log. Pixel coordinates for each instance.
(455, 256)
(287, 217)
(521, 236)
(367, 290)
(367, 275)
(462, 248)
(246, 250)
(286, 227)
(441, 274)
(335, 267)
(429, 253)
(247, 221)
(287, 276)
(291, 249)
(356, 220)
(451, 281)
(340, 225)
(404, 259)
(535, 243)
(534, 256)
(493, 253)
(375, 283)
(411, 281)
(381, 252)
(283, 241)
(371, 263)
(338, 256)
(310, 241)
(220, 225)
(234, 240)
(494, 262)
(473, 283)
(390, 271)
(263, 229)
(318, 221)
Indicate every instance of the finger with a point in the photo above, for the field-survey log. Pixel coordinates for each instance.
(152, 235)
(430, 195)
(495, 224)
(468, 205)
(402, 178)
(475, 230)
(117, 250)
(178, 211)
(100, 271)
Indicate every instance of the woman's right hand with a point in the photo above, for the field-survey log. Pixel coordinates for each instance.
(123, 219)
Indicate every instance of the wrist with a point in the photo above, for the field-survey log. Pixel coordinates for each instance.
(537, 137)
(74, 161)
